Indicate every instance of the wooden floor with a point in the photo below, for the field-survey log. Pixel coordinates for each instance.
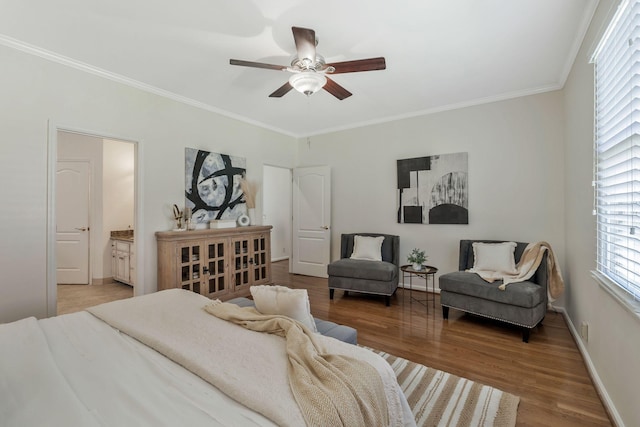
(548, 373)
(72, 298)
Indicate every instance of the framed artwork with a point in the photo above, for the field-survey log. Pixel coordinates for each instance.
(212, 185)
(433, 189)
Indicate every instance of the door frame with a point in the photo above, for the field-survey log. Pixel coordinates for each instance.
(52, 158)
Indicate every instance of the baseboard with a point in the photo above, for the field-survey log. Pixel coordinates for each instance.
(600, 389)
(103, 281)
(282, 258)
(422, 288)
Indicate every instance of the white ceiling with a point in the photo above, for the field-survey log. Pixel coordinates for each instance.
(440, 54)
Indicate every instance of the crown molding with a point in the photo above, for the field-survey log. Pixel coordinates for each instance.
(87, 68)
(439, 109)
(81, 66)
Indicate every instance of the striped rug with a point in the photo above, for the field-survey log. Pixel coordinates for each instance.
(441, 399)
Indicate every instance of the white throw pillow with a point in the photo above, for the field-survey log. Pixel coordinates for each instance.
(293, 303)
(367, 248)
(495, 257)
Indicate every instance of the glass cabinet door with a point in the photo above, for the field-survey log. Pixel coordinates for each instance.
(250, 264)
(260, 266)
(240, 261)
(190, 263)
(215, 271)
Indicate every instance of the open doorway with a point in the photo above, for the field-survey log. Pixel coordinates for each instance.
(95, 190)
(276, 202)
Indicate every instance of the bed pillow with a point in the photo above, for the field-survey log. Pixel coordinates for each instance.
(367, 248)
(293, 303)
(495, 257)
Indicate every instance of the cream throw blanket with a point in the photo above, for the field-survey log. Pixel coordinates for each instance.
(330, 389)
(526, 268)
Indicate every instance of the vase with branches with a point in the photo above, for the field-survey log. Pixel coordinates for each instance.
(249, 189)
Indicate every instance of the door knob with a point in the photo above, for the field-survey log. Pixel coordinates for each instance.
(82, 228)
(326, 227)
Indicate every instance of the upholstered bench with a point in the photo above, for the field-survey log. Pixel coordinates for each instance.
(325, 327)
(523, 304)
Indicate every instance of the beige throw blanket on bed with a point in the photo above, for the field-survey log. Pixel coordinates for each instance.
(526, 268)
(330, 389)
(251, 368)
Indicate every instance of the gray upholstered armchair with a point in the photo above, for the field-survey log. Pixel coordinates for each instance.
(365, 276)
(523, 304)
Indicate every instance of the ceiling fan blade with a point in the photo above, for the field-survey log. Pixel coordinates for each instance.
(257, 65)
(336, 90)
(305, 39)
(370, 64)
(281, 91)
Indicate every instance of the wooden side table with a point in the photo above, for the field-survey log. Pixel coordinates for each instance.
(426, 272)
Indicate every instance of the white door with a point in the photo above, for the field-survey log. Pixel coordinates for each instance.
(311, 221)
(72, 222)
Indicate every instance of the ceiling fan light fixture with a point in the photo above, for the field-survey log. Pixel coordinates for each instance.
(309, 74)
(308, 82)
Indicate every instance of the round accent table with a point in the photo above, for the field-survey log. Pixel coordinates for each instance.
(428, 272)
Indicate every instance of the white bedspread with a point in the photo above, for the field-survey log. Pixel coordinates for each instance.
(76, 370)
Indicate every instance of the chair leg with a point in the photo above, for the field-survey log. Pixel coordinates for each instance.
(331, 293)
(525, 334)
(387, 300)
(445, 312)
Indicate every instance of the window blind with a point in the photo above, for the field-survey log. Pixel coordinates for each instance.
(617, 149)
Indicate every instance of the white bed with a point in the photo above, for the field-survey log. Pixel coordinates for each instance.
(77, 370)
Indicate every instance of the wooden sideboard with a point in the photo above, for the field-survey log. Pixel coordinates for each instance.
(217, 263)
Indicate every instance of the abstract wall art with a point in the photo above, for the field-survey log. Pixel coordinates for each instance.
(212, 185)
(433, 189)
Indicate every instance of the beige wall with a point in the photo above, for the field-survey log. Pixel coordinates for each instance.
(36, 92)
(516, 179)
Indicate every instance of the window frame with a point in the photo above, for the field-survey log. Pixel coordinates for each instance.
(608, 267)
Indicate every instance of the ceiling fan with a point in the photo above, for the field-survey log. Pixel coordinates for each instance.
(310, 70)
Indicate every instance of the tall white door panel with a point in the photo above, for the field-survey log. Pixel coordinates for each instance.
(72, 222)
(311, 221)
